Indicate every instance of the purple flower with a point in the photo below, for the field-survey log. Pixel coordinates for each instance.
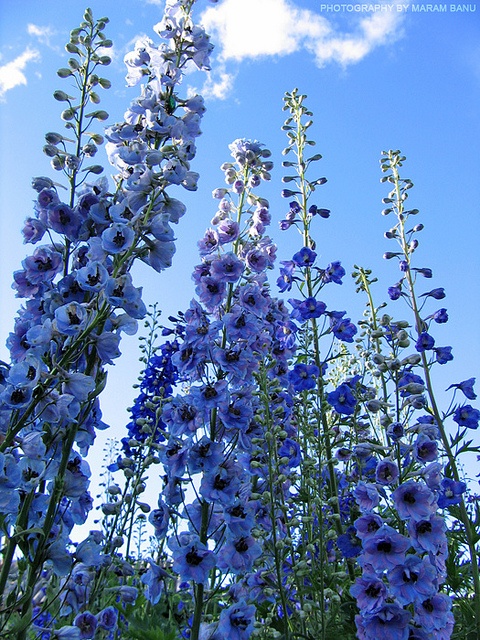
(43, 265)
(210, 291)
(384, 550)
(440, 316)
(433, 614)
(290, 449)
(62, 219)
(314, 211)
(304, 376)
(191, 558)
(227, 231)
(117, 238)
(366, 496)
(236, 622)
(443, 354)
(390, 622)
(369, 592)
(424, 342)
(343, 329)
(107, 618)
(395, 291)
(239, 554)
(306, 309)
(425, 449)
(153, 580)
(334, 272)
(413, 581)
(428, 535)
(239, 519)
(414, 500)
(227, 268)
(342, 399)
(467, 416)
(450, 492)
(87, 623)
(159, 518)
(286, 278)
(466, 387)
(305, 257)
(386, 472)
(221, 483)
(437, 294)
(349, 544)
(367, 525)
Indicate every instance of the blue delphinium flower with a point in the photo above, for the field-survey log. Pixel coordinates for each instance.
(450, 492)
(385, 549)
(153, 579)
(414, 500)
(191, 558)
(466, 387)
(303, 376)
(467, 416)
(369, 592)
(342, 399)
(390, 622)
(236, 622)
(305, 257)
(413, 581)
(87, 623)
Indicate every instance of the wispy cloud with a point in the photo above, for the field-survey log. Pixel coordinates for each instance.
(43, 34)
(11, 73)
(249, 29)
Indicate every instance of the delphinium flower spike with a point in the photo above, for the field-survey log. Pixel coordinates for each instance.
(80, 295)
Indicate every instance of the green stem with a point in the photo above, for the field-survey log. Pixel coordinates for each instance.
(419, 324)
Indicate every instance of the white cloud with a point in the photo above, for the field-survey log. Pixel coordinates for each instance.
(43, 34)
(218, 85)
(247, 29)
(11, 73)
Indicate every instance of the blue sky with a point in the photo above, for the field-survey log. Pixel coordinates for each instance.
(378, 76)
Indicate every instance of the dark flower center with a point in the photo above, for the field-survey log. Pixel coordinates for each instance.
(424, 527)
(193, 558)
(428, 606)
(17, 396)
(119, 239)
(241, 545)
(220, 483)
(409, 498)
(44, 265)
(210, 392)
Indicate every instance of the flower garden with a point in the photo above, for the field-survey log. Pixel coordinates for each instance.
(308, 482)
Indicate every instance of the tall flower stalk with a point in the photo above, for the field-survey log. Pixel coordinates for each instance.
(80, 295)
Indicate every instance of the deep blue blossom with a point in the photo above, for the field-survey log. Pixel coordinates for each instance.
(414, 500)
(342, 400)
(303, 376)
(305, 257)
(236, 622)
(467, 416)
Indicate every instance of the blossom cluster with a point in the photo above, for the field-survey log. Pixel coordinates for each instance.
(80, 296)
